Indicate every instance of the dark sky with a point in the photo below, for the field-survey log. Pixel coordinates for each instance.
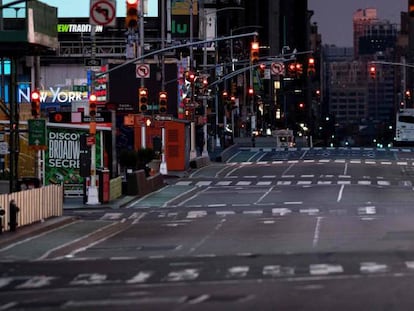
(334, 17)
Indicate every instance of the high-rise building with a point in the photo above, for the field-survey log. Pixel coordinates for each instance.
(361, 19)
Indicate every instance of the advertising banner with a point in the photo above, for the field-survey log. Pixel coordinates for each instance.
(62, 159)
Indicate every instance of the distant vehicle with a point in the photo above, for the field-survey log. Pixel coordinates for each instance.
(284, 138)
(404, 127)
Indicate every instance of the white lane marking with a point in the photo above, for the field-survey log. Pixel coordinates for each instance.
(198, 299)
(386, 163)
(402, 163)
(325, 269)
(410, 264)
(237, 271)
(355, 161)
(324, 182)
(344, 182)
(281, 211)
(225, 213)
(304, 182)
(224, 183)
(288, 176)
(8, 306)
(37, 282)
(243, 183)
(307, 176)
(264, 183)
(284, 183)
(364, 182)
(249, 176)
(293, 202)
(269, 176)
(264, 195)
(341, 191)
(184, 183)
(183, 275)
(255, 212)
(317, 232)
(204, 183)
(367, 210)
(277, 271)
(5, 281)
(373, 267)
(346, 169)
(196, 214)
(217, 205)
(111, 216)
(141, 277)
(384, 183)
(89, 279)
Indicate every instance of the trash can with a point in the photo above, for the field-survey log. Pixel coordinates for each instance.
(103, 185)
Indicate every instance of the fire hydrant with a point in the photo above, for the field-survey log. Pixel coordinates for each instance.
(13, 210)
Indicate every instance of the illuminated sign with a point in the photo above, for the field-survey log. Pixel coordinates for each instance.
(52, 95)
(76, 28)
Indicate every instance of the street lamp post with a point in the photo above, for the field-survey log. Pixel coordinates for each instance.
(216, 105)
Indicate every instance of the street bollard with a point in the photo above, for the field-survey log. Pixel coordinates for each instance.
(2, 212)
(13, 210)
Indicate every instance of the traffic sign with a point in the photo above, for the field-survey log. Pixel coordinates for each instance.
(4, 148)
(277, 68)
(37, 133)
(102, 12)
(143, 71)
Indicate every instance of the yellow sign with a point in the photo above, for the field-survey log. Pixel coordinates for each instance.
(182, 7)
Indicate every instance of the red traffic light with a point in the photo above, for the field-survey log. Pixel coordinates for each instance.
(131, 19)
(35, 103)
(251, 91)
(35, 96)
(162, 102)
(92, 98)
(254, 52)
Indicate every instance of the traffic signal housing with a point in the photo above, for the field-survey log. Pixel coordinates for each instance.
(254, 52)
(372, 72)
(163, 102)
(143, 99)
(92, 105)
(131, 19)
(35, 102)
(311, 66)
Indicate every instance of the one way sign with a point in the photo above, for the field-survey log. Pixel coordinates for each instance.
(142, 71)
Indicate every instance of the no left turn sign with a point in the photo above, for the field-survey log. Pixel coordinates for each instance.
(102, 12)
(143, 71)
(277, 68)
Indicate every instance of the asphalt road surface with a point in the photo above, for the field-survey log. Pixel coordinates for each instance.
(316, 229)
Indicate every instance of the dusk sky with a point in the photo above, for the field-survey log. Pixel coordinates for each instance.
(334, 17)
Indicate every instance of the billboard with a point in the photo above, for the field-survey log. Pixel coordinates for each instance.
(62, 158)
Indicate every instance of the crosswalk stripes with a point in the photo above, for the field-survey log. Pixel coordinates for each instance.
(191, 273)
(291, 181)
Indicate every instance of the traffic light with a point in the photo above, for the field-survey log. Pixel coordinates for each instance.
(251, 91)
(92, 105)
(254, 52)
(311, 66)
(372, 72)
(35, 103)
(143, 99)
(411, 8)
(131, 19)
(162, 102)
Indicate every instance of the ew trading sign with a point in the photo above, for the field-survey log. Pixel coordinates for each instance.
(37, 134)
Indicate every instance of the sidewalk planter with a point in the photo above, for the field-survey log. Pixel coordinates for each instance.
(139, 184)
